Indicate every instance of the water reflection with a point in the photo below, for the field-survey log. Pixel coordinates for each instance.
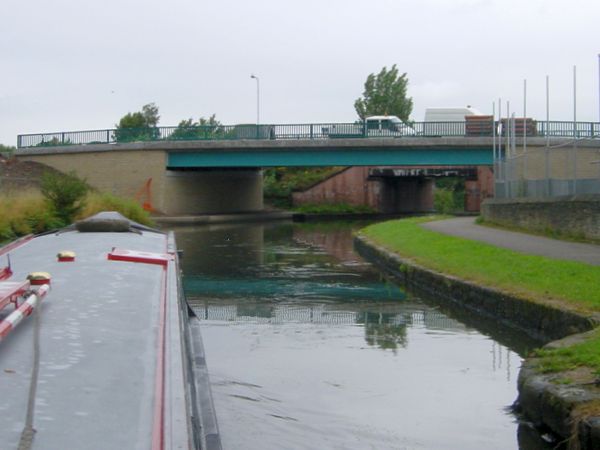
(309, 347)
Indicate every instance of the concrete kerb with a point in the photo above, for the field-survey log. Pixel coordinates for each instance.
(541, 400)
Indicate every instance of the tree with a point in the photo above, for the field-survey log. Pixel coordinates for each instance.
(209, 128)
(385, 93)
(7, 149)
(139, 126)
(65, 193)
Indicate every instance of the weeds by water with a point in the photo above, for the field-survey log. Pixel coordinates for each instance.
(29, 212)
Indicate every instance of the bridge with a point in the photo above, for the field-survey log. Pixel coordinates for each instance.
(218, 169)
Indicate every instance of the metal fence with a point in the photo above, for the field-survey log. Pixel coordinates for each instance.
(550, 171)
(302, 131)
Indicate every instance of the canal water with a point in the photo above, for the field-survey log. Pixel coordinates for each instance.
(309, 347)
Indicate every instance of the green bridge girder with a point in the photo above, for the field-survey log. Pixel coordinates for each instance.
(331, 156)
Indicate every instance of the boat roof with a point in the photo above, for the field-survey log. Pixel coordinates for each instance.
(101, 383)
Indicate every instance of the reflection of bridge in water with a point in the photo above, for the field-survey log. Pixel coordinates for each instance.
(385, 324)
(324, 314)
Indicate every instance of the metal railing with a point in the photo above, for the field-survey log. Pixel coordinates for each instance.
(300, 131)
(566, 167)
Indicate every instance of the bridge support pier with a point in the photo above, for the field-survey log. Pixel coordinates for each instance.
(208, 191)
(399, 195)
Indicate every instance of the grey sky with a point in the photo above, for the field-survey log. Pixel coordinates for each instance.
(75, 65)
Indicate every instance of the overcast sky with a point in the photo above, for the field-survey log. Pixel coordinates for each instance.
(76, 64)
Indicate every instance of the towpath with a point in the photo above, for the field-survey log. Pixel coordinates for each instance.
(466, 227)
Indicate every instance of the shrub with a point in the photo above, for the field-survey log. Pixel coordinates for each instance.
(443, 201)
(97, 202)
(65, 194)
(449, 195)
(29, 212)
(25, 213)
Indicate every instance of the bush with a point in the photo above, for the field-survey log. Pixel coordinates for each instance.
(65, 194)
(449, 195)
(139, 126)
(25, 213)
(7, 150)
(97, 202)
(443, 201)
(30, 212)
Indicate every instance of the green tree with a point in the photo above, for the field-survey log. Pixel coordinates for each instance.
(209, 128)
(449, 195)
(139, 126)
(385, 93)
(65, 193)
(7, 149)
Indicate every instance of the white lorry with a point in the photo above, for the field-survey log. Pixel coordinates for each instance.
(450, 114)
(446, 121)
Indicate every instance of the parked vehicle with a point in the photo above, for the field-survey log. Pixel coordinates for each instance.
(387, 126)
(447, 121)
(437, 114)
(373, 126)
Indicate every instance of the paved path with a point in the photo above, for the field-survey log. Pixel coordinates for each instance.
(526, 243)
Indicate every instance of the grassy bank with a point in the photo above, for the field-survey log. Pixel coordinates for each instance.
(28, 212)
(561, 283)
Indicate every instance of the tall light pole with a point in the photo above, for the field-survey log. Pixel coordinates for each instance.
(257, 98)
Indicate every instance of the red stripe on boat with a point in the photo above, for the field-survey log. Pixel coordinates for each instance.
(158, 428)
(120, 254)
(25, 310)
(19, 242)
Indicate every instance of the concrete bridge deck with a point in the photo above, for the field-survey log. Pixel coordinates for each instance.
(224, 176)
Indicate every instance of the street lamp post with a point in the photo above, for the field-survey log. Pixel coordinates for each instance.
(257, 98)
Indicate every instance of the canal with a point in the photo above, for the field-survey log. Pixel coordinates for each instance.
(308, 347)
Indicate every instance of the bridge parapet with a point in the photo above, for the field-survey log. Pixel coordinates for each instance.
(313, 131)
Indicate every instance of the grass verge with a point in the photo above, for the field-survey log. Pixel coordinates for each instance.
(561, 283)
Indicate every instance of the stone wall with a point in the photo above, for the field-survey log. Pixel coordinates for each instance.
(539, 321)
(576, 216)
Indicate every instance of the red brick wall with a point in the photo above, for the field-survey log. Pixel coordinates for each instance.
(348, 186)
(391, 194)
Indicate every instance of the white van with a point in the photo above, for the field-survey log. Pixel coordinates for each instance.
(387, 126)
(373, 126)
